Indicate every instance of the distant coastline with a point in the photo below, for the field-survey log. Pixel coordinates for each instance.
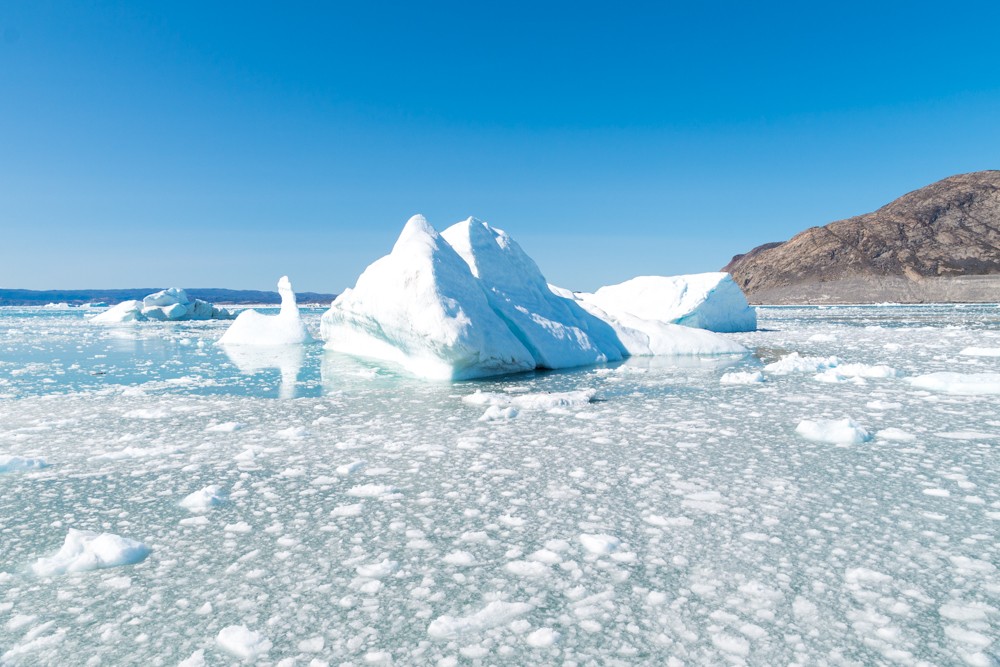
(25, 297)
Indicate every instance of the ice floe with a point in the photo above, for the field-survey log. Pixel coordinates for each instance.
(835, 431)
(171, 304)
(256, 329)
(969, 384)
(84, 550)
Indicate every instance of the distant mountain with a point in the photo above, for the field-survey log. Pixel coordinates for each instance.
(23, 297)
(940, 243)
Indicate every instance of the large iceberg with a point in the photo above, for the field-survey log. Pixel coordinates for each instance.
(557, 331)
(711, 301)
(285, 328)
(470, 303)
(421, 307)
(171, 304)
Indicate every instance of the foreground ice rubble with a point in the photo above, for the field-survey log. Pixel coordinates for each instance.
(255, 329)
(171, 304)
(470, 303)
(630, 514)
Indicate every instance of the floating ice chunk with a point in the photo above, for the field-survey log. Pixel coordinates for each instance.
(377, 570)
(981, 352)
(171, 304)
(834, 431)
(226, 427)
(205, 499)
(371, 491)
(742, 377)
(196, 659)
(542, 638)
(459, 559)
(842, 372)
(126, 311)
(494, 614)
(243, 642)
(896, 434)
(20, 464)
(421, 307)
(84, 550)
(285, 328)
(969, 384)
(795, 363)
(557, 331)
(711, 301)
(599, 544)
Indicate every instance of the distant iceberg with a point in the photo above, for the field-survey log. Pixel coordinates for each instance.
(285, 328)
(711, 301)
(471, 303)
(166, 305)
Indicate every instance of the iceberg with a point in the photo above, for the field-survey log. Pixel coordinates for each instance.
(557, 331)
(171, 304)
(470, 303)
(285, 328)
(711, 301)
(421, 307)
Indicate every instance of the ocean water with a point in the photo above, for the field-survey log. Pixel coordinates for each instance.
(831, 498)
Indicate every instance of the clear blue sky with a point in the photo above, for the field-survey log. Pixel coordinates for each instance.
(224, 144)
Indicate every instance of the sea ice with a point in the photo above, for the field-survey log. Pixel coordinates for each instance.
(243, 642)
(171, 304)
(711, 301)
(205, 499)
(969, 384)
(285, 328)
(20, 464)
(83, 550)
(834, 431)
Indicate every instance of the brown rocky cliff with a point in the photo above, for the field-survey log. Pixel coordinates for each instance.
(906, 251)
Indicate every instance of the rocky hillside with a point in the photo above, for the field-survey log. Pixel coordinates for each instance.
(938, 243)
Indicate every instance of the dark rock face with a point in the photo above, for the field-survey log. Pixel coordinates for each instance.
(938, 243)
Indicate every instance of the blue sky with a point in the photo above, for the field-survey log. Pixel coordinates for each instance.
(222, 144)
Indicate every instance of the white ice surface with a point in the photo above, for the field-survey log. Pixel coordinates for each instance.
(388, 507)
(171, 304)
(470, 303)
(256, 329)
(709, 301)
(419, 306)
(84, 550)
(557, 331)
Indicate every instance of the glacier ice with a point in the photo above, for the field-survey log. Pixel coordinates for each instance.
(470, 303)
(557, 331)
(711, 301)
(171, 304)
(285, 328)
(420, 306)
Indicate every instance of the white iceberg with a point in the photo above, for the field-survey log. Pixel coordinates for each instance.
(171, 304)
(285, 328)
(470, 303)
(421, 307)
(83, 550)
(557, 331)
(711, 301)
